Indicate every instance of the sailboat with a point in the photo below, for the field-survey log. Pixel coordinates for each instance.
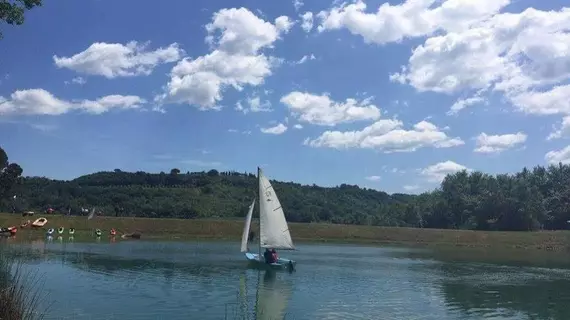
(273, 228)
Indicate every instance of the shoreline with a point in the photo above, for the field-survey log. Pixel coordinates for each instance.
(226, 229)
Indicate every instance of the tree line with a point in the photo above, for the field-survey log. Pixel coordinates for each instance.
(529, 200)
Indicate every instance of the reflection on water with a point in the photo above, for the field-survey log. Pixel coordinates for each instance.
(479, 291)
(183, 280)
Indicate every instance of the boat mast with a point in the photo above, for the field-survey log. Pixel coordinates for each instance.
(259, 206)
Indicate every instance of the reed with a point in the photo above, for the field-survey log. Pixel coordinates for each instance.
(19, 288)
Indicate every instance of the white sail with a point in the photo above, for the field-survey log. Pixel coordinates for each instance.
(245, 235)
(273, 228)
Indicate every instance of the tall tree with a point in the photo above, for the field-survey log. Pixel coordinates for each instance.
(9, 173)
(12, 11)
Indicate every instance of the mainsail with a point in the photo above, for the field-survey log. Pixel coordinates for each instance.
(245, 235)
(273, 228)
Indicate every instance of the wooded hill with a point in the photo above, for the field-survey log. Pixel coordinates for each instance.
(529, 200)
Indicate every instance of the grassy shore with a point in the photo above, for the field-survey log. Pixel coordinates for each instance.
(232, 229)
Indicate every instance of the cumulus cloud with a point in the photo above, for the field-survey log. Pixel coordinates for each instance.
(278, 129)
(498, 143)
(237, 36)
(387, 135)
(562, 131)
(373, 178)
(42, 102)
(253, 104)
(558, 156)
(521, 55)
(437, 172)
(321, 110)
(472, 46)
(461, 104)
(412, 18)
(77, 80)
(307, 21)
(297, 4)
(112, 60)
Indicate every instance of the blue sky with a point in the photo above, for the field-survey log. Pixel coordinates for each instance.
(389, 96)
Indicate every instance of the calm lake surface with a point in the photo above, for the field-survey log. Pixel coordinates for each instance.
(209, 280)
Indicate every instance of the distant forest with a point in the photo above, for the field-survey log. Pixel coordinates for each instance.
(529, 200)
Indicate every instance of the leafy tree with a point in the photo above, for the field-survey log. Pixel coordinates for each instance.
(529, 200)
(12, 11)
(9, 174)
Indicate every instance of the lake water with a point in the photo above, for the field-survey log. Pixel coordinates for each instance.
(209, 280)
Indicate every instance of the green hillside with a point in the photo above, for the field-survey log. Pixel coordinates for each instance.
(529, 200)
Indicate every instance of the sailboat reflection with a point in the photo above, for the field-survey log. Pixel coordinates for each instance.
(271, 298)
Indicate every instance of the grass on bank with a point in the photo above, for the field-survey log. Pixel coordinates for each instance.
(232, 229)
(19, 291)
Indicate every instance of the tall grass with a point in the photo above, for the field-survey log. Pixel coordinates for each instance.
(19, 288)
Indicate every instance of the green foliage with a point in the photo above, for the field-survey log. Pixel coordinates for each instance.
(9, 175)
(12, 11)
(528, 200)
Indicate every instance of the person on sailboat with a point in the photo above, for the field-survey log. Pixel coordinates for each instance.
(268, 256)
(274, 255)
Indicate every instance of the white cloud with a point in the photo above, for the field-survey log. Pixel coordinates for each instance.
(42, 102)
(255, 104)
(297, 4)
(77, 80)
(389, 136)
(562, 131)
(307, 21)
(278, 129)
(461, 104)
(305, 58)
(553, 101)
(321, 110)
(373, 178)
(284, 24)
(113, 60)
(43, 127)
(558, 156)
(201, 163)
(241, 31)
(498, 143)
(298, 126)
(516, 54)
(413, 18)
(237, 36)
(437, 172)
(411, 187)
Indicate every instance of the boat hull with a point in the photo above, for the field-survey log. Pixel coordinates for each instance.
(281, 264)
